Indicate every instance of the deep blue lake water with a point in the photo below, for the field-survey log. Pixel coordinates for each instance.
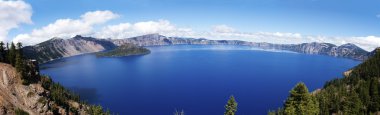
(196, 79)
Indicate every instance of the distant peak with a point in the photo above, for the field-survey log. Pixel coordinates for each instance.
(56, 38)
(202, 38)
(78, 36)
(348, 45)
(152, 35)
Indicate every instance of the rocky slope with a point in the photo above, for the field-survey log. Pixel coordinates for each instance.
(156, 40)
(346, 50)
(57, 48)
(29, 98)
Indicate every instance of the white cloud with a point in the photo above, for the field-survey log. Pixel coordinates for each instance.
(84, 26)
(12, 14)
(67, 27)
(223, 29)
(98, 17)
(125, 30)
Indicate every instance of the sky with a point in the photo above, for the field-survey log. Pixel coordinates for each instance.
(273, 21)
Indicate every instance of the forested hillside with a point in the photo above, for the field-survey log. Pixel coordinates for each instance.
(357, 93)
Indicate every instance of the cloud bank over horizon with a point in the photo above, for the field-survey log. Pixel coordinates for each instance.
(88, 24)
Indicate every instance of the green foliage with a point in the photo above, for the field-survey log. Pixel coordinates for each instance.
(279, 111)
(355, 94)
(97, 110)
(19, 61)
(124, 50)
(2, 52)
(19, 111)
(301, 102)
(374, 104)
(12, 54)
(231, 106)
(46, 82)
(59, 94)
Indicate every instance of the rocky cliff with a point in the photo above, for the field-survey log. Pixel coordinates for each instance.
(346, 50)
(156, 40)
(57, 48)
(32, 98)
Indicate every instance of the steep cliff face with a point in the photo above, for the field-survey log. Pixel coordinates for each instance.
(156, 40)
(349, 51)
(29, 98)
(346, 50)
(58, 48)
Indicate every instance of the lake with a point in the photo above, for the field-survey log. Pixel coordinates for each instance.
(195, 78)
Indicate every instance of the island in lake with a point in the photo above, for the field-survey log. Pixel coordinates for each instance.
(124, 50)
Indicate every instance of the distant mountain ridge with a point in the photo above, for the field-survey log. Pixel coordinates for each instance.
(58, 48)
(346, 50)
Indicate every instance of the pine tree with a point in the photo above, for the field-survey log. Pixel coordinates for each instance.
(375, 97)
(19, 59)
(6, 55)
(19, 62)
(2, 52)
(12, 54)
(300, 102)
(231, 106)
(324, 102)
(352, 105)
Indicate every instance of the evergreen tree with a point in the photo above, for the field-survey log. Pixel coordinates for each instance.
(6, 55)
(363, 92)
(323, 100)
(375, 97)
(231, 106)
(300, 102)
(20, 64)
(2, 52)
(19, 58)
(352, 105)
(19, 49)
(12, 54)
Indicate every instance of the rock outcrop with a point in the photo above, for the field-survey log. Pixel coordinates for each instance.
(346, 50)
(58, 48)
(30, 98)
